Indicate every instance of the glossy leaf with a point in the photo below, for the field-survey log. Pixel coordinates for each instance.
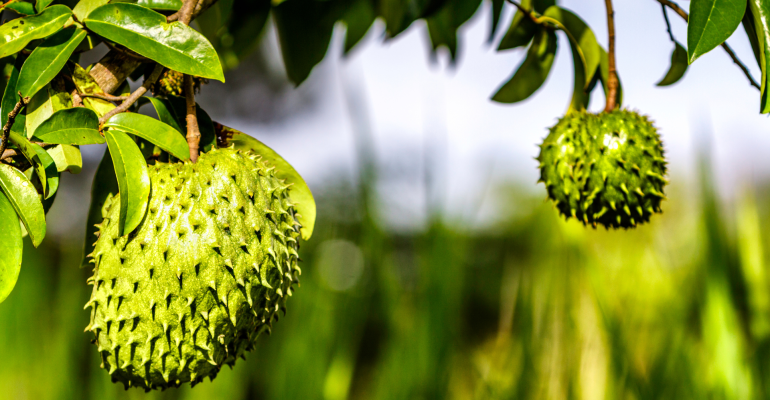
(165, 5)
(133, 179)
(711, 23)
(299, 192)
(43, 105)
(152, 130)
(103, 186)
(533, 72)
(166, 113)
(759, 11)
(71, 126)
(10, 98)
(22, 7)
(16, 34)
(11, 247)
(678, 66)
(25, 200)
(43, 164)
(84, 8)
(86, 84)
(174, 45)
(581, 37)
(48, 59)
(40, 5)
(67, 158)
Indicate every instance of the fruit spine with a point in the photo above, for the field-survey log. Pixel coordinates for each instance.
(205, 273)
(606, 168)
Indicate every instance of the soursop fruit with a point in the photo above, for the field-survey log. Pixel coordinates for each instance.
(206, 272)
(606, 168)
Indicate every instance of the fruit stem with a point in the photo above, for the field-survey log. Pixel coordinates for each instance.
(612, 78)
(193, 131)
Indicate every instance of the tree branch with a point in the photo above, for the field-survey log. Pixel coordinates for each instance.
(682, 13)
(138, 93)
(612, 79)
(23, 101)
(102, 96)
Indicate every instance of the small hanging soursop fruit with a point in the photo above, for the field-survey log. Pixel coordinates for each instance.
(604, 168)
(205, 273)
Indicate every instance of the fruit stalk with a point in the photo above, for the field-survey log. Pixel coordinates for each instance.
(193, 131)
(612, 79)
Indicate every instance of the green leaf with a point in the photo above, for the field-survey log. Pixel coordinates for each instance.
(581, 37)
(84, 8)
(299, 192)
(86, 84)
(11, 247)
(133, 180)
(522, 28)
(164, 5)
(70, 126)
(497, 11)
(678, 66)
(533, 72)
(10, 98)
(48, 59)
(174, 45)
(67, 158)
(358, 18)
(22, 7)
(42, 106)
(304, 30)
(43, 164)
(444, 24)
(235, 27)
(178, 107)
(103, 186)
(40, 5)
(16, 34)
(711, 23)
(25, 201)
(760, 22)
(166, 113)
(152, 130)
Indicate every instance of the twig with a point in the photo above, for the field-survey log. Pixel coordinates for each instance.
(202, 6)
(193, 131)
(23, 101)
(682, 13)
(668, 24)
(138, 93)
(12, 153)
(612, 78)
(524, 11)
(104, 96)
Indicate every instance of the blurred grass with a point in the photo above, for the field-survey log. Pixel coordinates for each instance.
(530, 308)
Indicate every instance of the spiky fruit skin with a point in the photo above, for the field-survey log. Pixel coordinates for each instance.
(172, 83)
(606, 169)
(203, 275)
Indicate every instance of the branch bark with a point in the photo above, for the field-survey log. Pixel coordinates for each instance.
(682, 13)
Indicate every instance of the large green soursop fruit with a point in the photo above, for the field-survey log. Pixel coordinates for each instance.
(205, 273)
(604, 168)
